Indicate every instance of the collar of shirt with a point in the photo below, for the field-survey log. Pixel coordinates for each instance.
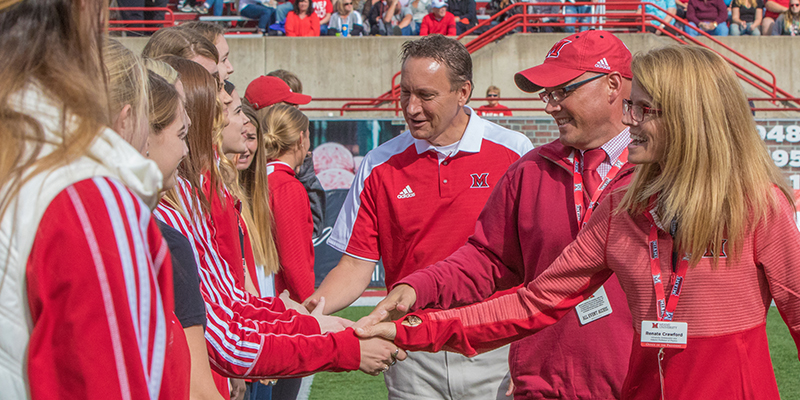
(273, 165)
(613, 149)
(470, 141)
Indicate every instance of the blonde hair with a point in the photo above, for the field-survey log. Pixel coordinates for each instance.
(256, 210)
(283, 126)
(162, 69)
(746, 3)
(54, 44)
(127, 83)
(717, 171)
(493, 88)
(180, 42)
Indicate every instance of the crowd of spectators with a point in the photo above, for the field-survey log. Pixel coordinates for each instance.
(454, 17)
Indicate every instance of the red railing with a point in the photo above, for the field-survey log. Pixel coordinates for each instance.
(633, 19)
(147, 25)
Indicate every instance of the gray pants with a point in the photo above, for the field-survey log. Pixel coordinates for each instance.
(446, 375)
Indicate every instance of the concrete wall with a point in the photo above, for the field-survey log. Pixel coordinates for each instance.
(363, 67)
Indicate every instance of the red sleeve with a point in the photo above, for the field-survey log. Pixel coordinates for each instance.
(294, 230)
(314, 25)
(451, 24)
(491, 259)
(777, 251)
(224, 223)
(100, 294)
(291, 24)
(328, 7)
(574, 276)
(425, 28)
(240, 347)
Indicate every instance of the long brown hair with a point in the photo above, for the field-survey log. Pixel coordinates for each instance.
(717, 171)
(54, 44)
(257, 214)
(204, 112)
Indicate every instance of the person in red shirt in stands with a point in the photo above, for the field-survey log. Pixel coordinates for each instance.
(439, 20)
(302, 20)
(494, 108)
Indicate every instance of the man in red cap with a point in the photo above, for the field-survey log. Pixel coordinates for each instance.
(534, 212)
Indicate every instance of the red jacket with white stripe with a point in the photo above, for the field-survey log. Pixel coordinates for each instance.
(86, 297)
(247, 335)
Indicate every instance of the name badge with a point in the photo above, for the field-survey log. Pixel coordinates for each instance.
(664, 334)
(595, 307)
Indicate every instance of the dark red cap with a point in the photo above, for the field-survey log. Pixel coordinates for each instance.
(590, 51)
(265, 91)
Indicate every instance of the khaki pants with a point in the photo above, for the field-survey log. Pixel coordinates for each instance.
(446, 375)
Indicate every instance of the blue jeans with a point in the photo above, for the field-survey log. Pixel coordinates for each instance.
(282, 10)
(571, 20)
(216, 5)
(720, 30)
(264, 15)
(736, 30)
(259, 391)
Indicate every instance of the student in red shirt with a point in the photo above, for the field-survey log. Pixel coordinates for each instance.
(439, 20)
(86, 297)
(302, 20)
(494, 108)
(286, 142)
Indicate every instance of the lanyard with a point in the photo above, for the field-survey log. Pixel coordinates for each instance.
(577, 179)
(664, 309)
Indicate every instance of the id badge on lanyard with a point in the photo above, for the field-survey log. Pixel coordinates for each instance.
(664, 332)
(597, 305)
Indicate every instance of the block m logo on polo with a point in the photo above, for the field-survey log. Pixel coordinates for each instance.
(480, 180)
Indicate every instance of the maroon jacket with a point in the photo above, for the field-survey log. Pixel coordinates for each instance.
(526, 223)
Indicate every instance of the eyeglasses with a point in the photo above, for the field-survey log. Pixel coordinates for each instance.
(561, 94)
(638, 112)
(794, 5)
(347, 4)
(492, 95)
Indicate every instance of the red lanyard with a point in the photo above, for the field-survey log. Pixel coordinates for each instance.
(664, 308)
(577, 179)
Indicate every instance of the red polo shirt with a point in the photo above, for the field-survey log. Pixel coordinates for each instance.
(409, 210)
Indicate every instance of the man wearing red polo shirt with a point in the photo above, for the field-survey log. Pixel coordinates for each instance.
(439, 20)
(535, 211)
(415, 200)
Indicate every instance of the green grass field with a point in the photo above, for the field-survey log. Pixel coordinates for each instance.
(359, 386)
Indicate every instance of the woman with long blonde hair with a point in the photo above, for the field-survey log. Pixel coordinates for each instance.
(702, 241)
(85, 289)
(285, 144)
(788, 23)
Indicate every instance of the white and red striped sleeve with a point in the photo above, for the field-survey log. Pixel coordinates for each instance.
(245, 339)
(99, 281)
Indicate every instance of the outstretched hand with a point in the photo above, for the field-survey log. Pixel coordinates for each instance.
(373, 326)
(291, 304)
(329, 323)
(394, 306)
(377, 355)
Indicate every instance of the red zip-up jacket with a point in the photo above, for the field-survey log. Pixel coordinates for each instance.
(526, 223)
(430, 25)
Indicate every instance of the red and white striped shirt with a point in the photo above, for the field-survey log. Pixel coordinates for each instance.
(99, 282)
(250, 336)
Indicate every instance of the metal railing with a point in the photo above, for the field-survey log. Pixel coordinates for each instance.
(632, 18)
(145, 25)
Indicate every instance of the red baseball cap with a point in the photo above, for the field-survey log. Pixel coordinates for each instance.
(265, 91)
(589, 51)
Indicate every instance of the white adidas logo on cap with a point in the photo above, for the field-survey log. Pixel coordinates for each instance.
(406, 193)
(602, 64)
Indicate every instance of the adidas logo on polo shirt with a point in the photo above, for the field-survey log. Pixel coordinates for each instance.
(602, 64)
(406, 193)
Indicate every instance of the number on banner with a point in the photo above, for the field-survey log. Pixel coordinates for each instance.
(761, 131)
(794, 158)
(793, 133)
(776, 134)
(781, 158)
(795, 179)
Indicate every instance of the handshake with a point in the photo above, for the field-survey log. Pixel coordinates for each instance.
(375, 331)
